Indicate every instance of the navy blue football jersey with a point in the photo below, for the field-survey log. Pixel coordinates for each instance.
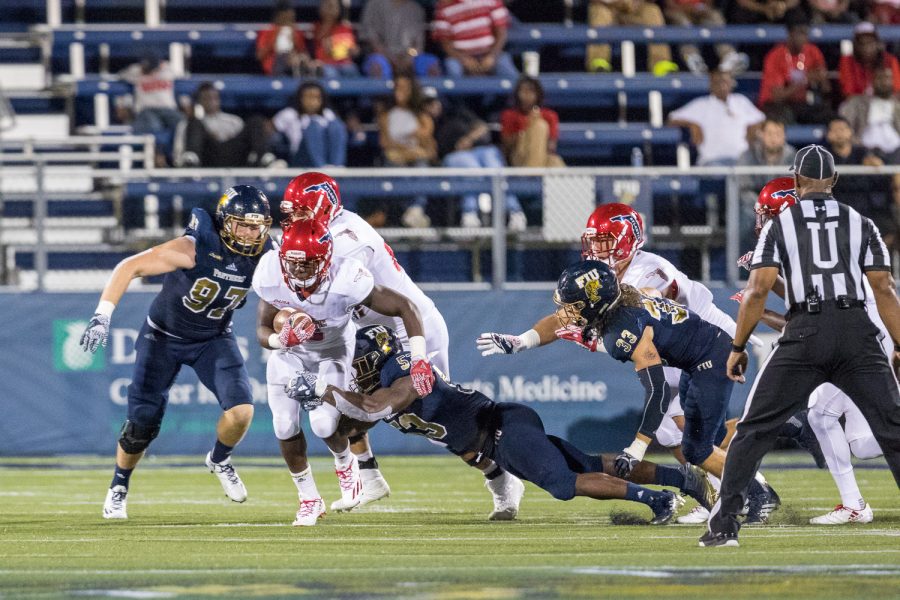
(450, 415)
(197, 303)
(681, 337)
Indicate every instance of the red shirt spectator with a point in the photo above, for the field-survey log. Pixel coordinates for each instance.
(514, 121)
(265, 46)
(782, 67)
(280, 48)
(336, 46)
(469, 24)
(857, 71)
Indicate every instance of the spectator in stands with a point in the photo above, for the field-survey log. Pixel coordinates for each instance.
(867, 194)
(857, 71)
(795, 86)
(406, 136)
(334, 43)
(831, 11)
(472, 34)
(703, 12)
(313, 134)
(876, 118)
(155, 110)
(884, 12)
(280, 48)
(529, 131)
(749, 12)
(606, 13)
(721, 123)
(464, 141)
(394, 32)
(213, 138)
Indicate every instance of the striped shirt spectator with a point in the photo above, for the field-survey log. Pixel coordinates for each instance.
(473, 33)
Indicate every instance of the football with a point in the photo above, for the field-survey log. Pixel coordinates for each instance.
(281, 316)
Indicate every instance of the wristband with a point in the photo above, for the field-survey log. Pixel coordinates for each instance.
(417, 347)
(637, 449)
(738, 349)
(105, 307)
(274, 342)
(530, 339)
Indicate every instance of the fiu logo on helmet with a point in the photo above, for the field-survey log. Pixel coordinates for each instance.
(590, 283)
(381, 337)
(326, 189)
(632, 222)
(228, 195)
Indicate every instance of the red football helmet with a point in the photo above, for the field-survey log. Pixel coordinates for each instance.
(613, 233)
(311, 195)
(305, 255)
(775, 197)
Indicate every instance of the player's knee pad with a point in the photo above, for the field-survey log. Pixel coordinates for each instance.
(696, 452)
(323, 426)
(668, 434)
(286, 428)
(135, 438)
(865, 447)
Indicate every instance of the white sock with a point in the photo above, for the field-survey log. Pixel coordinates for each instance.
(342, 458)
(759, 477)
(306, 485)
(364, 456)
(714, 481)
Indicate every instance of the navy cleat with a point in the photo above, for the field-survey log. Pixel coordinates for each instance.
(698, 486)
(711, 540)
(664, 506)
(761, 505)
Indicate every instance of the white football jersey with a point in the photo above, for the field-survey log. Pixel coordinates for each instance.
(355, 238)
(331, 306)
(648, 270)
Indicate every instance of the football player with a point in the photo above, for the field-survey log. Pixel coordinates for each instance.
(827, 404)
(614, 234)
(316, 195)
(208, 274)
(304, 274)
(469, 424)
(651, 331)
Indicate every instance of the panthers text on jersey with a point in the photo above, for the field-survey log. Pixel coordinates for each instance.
(450, 415)
(197, 303)
(681, 337)
(331, 306)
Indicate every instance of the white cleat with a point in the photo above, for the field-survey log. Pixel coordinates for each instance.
(841, 515)
(351, 487)
(697, 516)
(228, 477)
(374, 486)
(114, 505)
(309, 512)
(507, 491)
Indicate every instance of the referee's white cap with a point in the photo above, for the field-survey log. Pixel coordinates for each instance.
(814, 162)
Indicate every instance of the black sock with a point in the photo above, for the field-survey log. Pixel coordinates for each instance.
(221, 452)
(371, 463)
(493, 472)
(669, 476)
(121, 477)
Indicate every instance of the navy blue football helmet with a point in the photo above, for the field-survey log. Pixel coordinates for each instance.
(375, 344)
(243, 205)
(584, 292)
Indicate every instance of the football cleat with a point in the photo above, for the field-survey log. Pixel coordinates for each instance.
(114, 505)
(309, 512)
(698, 486)
(760, 506)
(507, 490)
(351, 486)
(228, 477)
(697, 516)
(374, 486)
(841, 515)
(664, 506)
(711, 540)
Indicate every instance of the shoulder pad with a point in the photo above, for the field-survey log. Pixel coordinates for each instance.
(202, 228)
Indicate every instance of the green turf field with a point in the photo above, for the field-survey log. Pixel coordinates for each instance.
(429, 540)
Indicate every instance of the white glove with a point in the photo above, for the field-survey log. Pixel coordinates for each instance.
(500, 343)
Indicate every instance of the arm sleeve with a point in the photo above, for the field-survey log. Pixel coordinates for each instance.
(354, 412)
(656, 399)
(766, 252)
(875, 256)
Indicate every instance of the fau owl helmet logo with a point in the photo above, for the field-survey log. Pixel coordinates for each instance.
(326, 189)
(632, 222)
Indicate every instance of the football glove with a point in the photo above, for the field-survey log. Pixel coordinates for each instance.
(422, 376)
(499, 343)
(573, 333)
(302, 388)
(296, 331)
(744, 261)
(96, 333)
(625, 464)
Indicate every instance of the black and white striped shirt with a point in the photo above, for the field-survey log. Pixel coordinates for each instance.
(821, 244)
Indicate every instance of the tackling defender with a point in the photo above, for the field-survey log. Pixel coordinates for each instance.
(208, 272)
(304, 274)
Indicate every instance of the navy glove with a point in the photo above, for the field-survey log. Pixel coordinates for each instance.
(625, 463)
(302, 388)
(96, 333)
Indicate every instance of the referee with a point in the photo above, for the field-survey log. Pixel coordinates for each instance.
(823, 249)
